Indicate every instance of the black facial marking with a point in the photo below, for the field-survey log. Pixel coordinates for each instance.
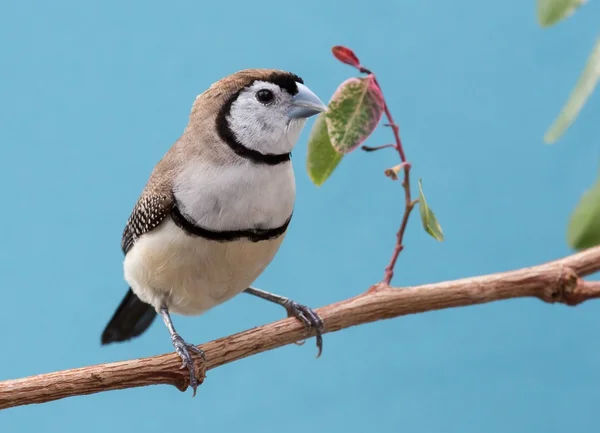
(286, 81)
(228, 137)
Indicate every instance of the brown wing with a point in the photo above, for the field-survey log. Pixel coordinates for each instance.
(153, 206)
(148, 213)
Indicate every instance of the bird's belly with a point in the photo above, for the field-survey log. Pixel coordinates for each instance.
(192, 274)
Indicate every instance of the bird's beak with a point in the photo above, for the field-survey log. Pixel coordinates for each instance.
(305, 104)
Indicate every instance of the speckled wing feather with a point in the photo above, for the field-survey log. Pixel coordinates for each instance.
(148, 213)
(155, 202)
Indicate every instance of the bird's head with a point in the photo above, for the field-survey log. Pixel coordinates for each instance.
(263, 110)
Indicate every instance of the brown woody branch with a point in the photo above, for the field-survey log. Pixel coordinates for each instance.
(558, 281)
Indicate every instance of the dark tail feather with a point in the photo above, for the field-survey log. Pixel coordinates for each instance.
(130, 320)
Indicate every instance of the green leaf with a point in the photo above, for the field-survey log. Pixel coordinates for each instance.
(550, 12)
(584, 226)
(583, 89)
(430, 222)
(322, 158)
(353, 113)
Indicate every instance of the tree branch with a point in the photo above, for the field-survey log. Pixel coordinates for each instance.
(558, 281)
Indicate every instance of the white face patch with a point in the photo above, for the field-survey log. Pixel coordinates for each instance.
(266, 128)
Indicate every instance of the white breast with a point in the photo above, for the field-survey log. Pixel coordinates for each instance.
(243, 195)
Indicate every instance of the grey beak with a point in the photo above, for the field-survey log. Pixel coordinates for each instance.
(305, 104)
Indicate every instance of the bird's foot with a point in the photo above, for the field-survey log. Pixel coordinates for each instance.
(309, 319)
(185, 351)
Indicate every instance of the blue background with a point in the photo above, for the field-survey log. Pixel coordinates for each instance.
(93, 93)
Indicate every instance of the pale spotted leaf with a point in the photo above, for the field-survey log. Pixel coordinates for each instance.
(353, 113)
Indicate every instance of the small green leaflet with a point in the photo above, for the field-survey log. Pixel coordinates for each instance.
(584, 226)
(353, 113)
(583, 89)
(322, 158)
(549, 12)
(430, 222)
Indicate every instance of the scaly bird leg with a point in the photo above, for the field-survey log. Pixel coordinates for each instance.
(183, 349)
(307, 316)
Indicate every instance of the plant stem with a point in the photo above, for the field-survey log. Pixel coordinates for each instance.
(409, 204)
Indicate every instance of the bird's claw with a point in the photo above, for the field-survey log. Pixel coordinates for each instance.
(309, 319)
(185, 350)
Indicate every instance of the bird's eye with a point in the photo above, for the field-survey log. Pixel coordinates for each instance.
(264, 96)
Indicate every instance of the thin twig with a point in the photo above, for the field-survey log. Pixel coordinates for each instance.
(374, 148)
(409, 203)
(558, 281)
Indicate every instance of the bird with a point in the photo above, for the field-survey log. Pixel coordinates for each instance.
(216, 208)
